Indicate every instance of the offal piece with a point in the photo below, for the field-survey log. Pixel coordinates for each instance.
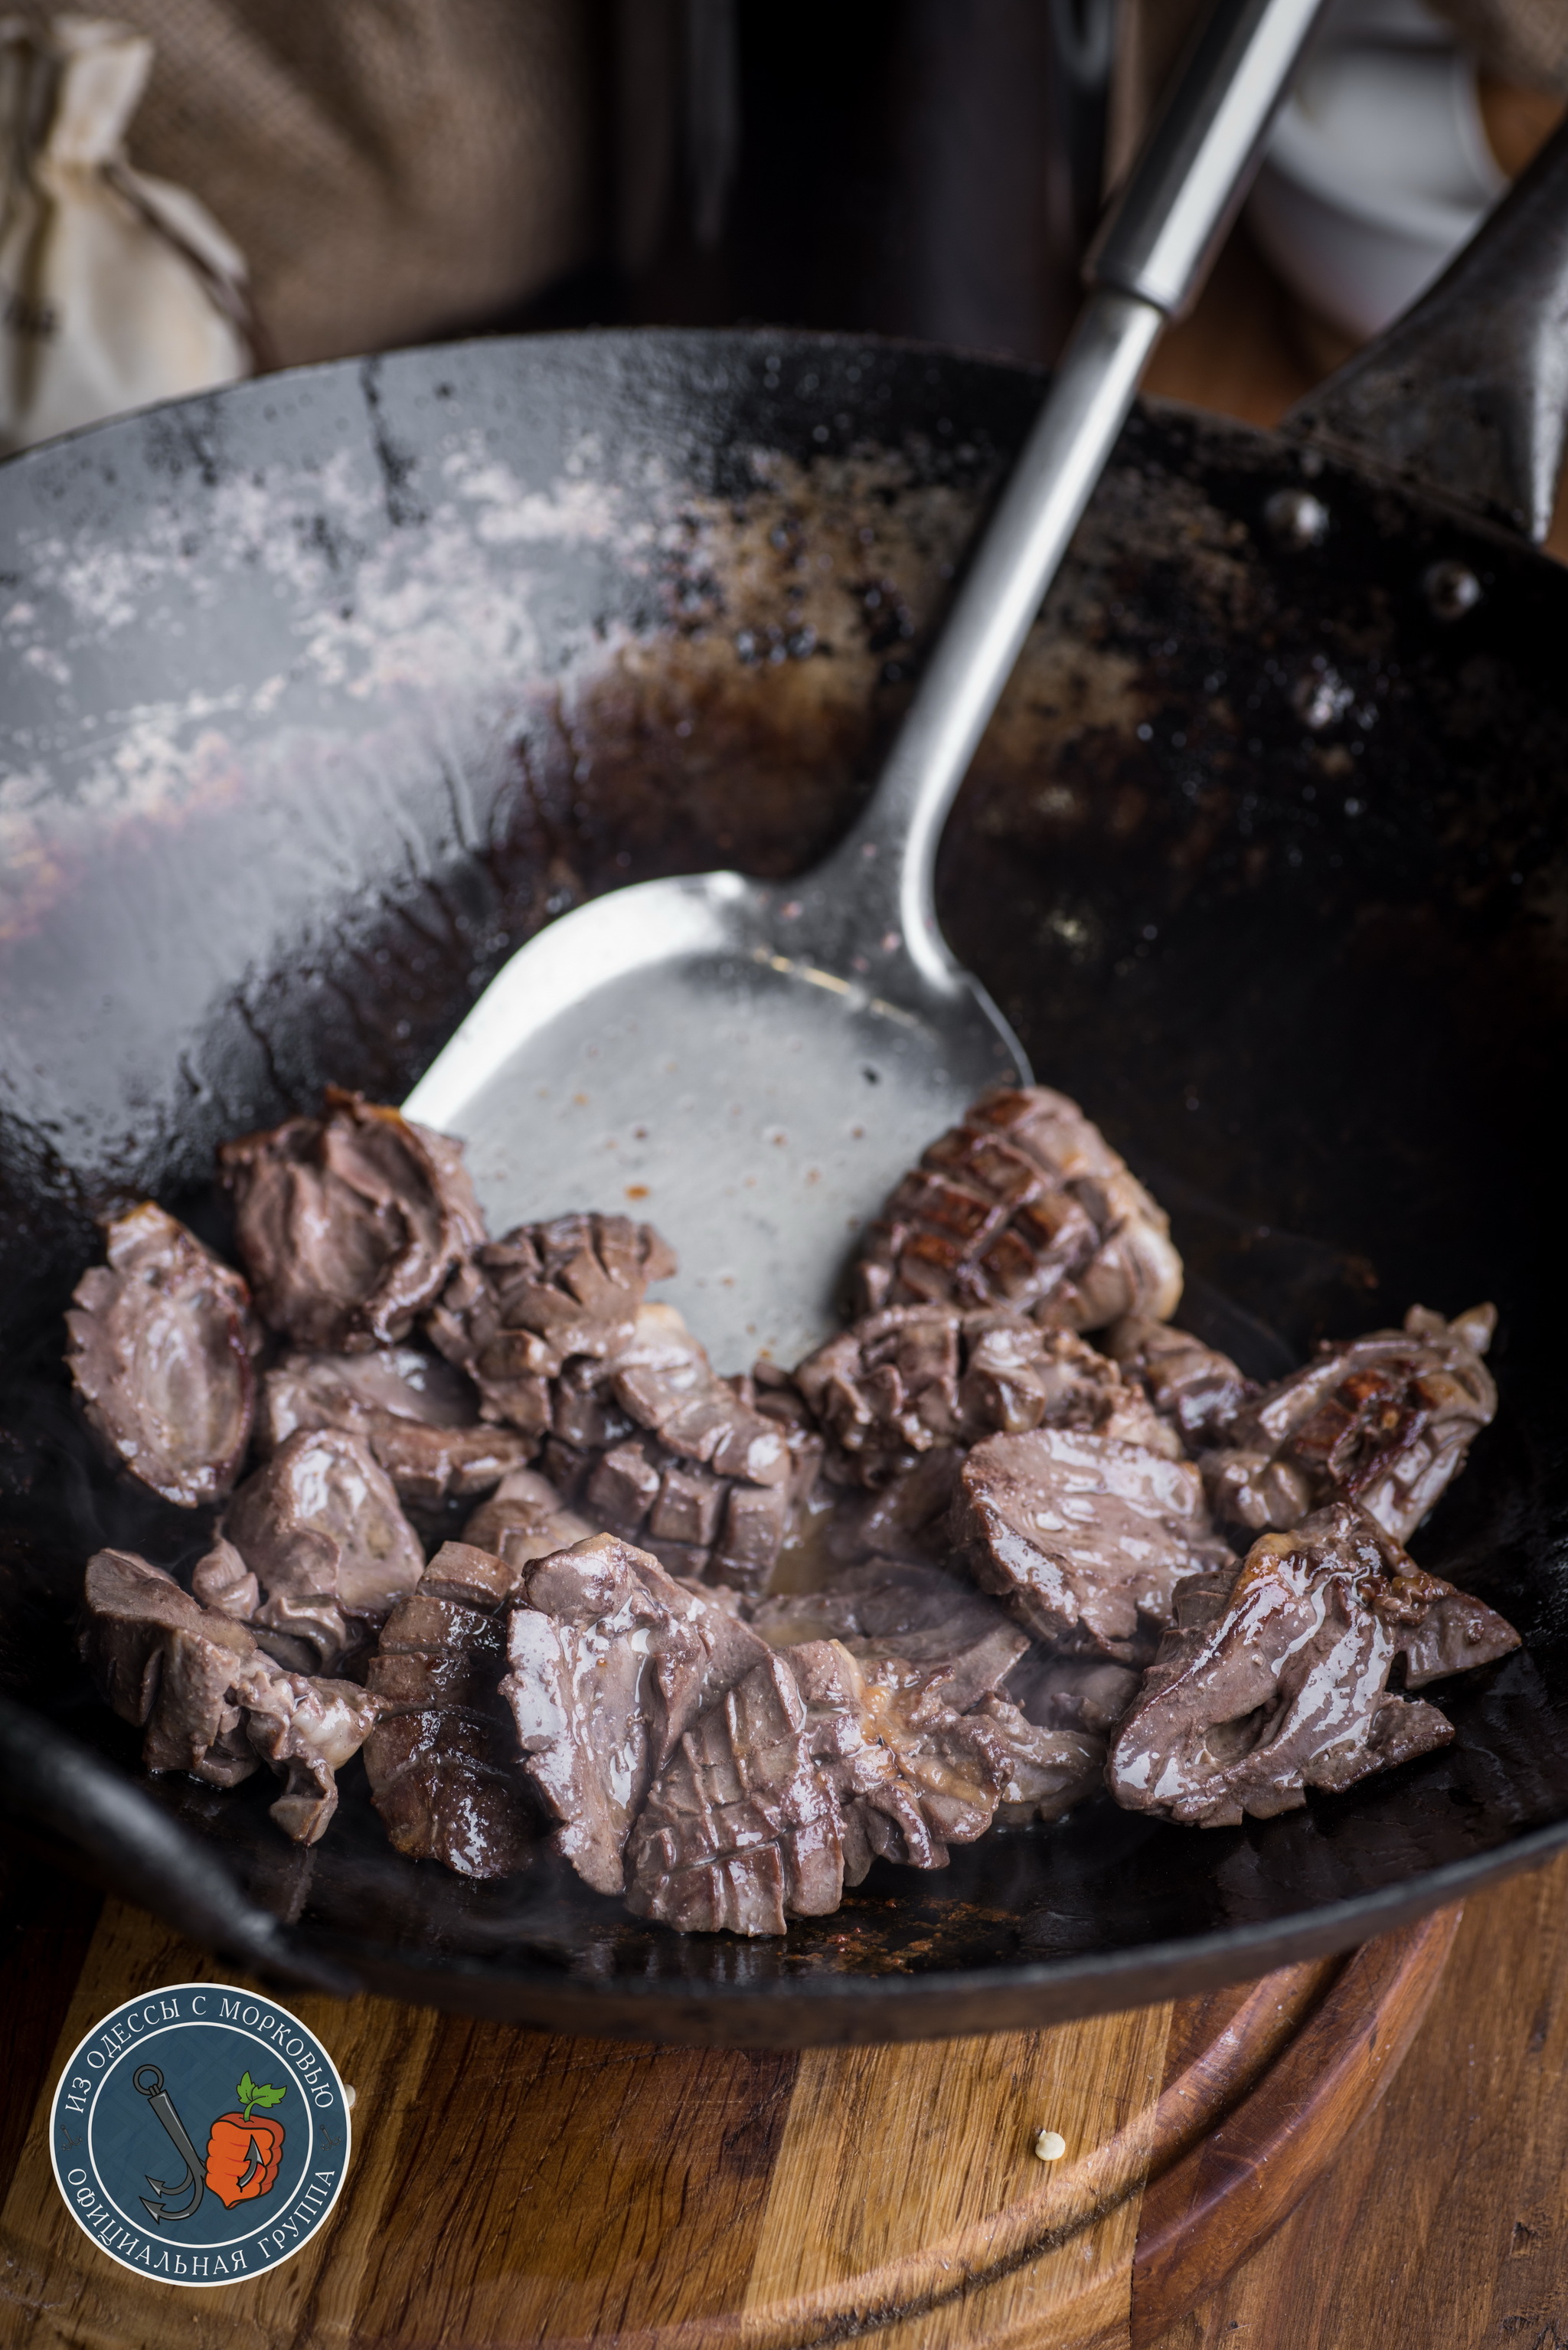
(1384, 1420)
(211, 1701)
(413, 1411)
(912, 1379)
(320, 1528)
(349, 1223)
(1279, 1682)
(1086, 1693)
(663, 1380)
(162, 1341)
(882, 1610)
(1196, 1387)
(697, 1525)
(545, 1296)
(1025, 1205)
(442, 1759)
(610, 1661)
(523, 1519)
(1086, 1538)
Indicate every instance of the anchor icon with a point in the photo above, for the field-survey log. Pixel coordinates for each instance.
(148, 2082)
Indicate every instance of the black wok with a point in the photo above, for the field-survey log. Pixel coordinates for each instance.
(320, 693)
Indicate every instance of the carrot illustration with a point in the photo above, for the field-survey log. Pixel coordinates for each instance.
(242, 2152)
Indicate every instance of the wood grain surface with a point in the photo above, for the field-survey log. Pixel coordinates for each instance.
(509, 2188)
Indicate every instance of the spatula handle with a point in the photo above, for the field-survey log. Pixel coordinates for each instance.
(1143, 267)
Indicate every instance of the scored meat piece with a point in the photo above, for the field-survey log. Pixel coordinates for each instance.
(1196, 1387)
(1386, 1421)
(1086, 1538)
(545, 1296)
(912, 1379)
(696, 1524)
(349, 1223)
(882, 1610)
(442, 1760)
(1278, 1680)
(663, 1380)
(161, 1341)
(525, 1518)
(1026, 1205)
(211, 1701)
(610, 1660)
(414, 1411)
(319, 1527)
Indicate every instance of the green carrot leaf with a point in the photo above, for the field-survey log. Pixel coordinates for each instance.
(246, 2091)
(268, 2096)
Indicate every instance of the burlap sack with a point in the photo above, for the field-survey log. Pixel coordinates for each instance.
(116, 289)
(391, 169)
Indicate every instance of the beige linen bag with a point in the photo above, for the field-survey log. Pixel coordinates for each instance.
(115, 288)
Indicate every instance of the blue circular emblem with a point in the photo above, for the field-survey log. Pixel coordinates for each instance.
(200, 2134)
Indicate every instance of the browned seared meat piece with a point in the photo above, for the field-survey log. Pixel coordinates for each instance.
(211, 1701)
(610, 1661)
(882, 1610)
(741, 1831)
(546, 1296)
(442, 1760)
(1024, 1205)
(1281, 1682)
(810, 1766)
(663, 1380)
(1384, 1420)
(1048, 1771)
(414, 1411)
(160, 1348)
(912, 1379)
(1196, 1387)
(223, 1581)
(697, 1525)
(1086, 1538)
(320, 1528)
(349, 1223)
(525, 1518)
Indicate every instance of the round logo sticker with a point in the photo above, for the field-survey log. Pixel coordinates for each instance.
(200, 2134)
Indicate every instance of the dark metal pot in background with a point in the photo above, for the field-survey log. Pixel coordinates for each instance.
(319, 694)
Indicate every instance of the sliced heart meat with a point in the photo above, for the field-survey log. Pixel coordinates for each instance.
(350, 1224)
(210, 1701)
(1025, 1205)
(1198, 1390)
(417, 1415)
(610, 1662)
(162, 1347)
(1276, 1679)
(320, 1528)
(1386, 1421)
(545, 1296)
(882, 1610)
(442, 1759)
(1086, 1538)
(525, 1518)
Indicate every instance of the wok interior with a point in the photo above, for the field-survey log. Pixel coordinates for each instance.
(1261, 858)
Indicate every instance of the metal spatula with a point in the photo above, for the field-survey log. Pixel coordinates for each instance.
(752, 1066)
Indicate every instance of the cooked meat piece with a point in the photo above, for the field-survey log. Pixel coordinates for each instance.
(1384, 1420)
(527, 1306)
(160, 1348)
(1282, 1683)
(1086, 1537)
(442, 1761)
(881, 1611)
(904, 1521)
(913, 1380)
(414, 1411)
(210, 1699)
(662, 1378)
(695, 1524)
(525, 1518)
(1196, 1387)
(320, 1528)
(1024, 1205)
(223, 1581)
(349, 1223)
(610, 1661)
(741, 1832)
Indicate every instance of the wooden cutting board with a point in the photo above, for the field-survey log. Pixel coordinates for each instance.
(509, 2188)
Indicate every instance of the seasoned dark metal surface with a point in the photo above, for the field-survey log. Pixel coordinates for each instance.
(317, 695)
